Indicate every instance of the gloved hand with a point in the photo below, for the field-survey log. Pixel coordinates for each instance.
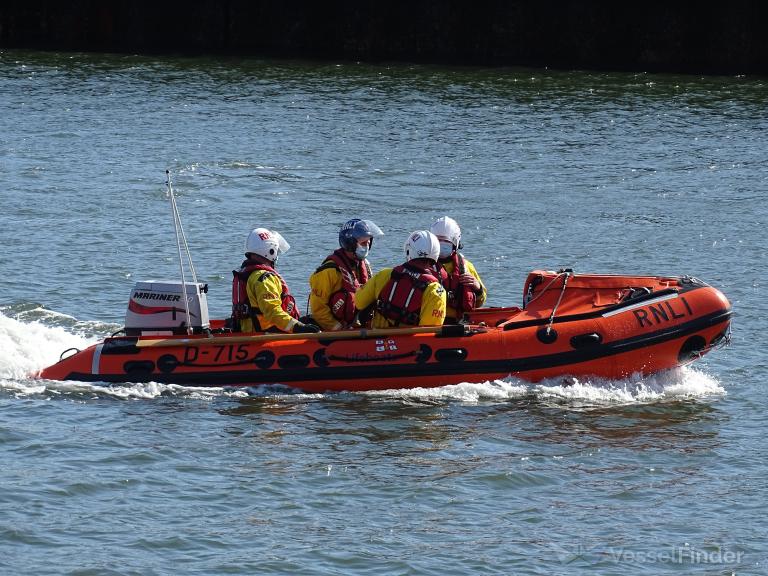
(468, 280)
(301, 328)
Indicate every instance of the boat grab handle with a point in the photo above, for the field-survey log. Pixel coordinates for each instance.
(73, 350)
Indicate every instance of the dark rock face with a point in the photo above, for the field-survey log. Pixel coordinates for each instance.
(681, 36)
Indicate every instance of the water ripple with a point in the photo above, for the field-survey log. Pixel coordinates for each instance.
(602, 172)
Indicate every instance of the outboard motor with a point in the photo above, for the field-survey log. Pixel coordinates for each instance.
(156, 308)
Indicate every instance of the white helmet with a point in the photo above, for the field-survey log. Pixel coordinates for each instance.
(266, 243)
(446, 228)
(422, 244)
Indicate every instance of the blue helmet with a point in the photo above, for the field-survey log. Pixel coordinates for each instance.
(352, 230)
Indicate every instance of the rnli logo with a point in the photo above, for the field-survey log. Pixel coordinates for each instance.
(662, 312)
(382, 347)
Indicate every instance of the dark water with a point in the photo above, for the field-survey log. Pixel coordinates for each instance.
(611, 173)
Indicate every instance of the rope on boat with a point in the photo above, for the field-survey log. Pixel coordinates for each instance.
(559, 299)
(543, 290)
(446, 331)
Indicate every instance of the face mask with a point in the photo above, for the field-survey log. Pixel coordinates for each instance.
(361, 252)
(446, 249)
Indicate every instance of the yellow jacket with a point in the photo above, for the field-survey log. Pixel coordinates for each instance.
(432, 303)
(264, 289)
(323, 283)
(470, 268)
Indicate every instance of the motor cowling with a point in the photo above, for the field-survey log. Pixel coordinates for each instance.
(157, 308)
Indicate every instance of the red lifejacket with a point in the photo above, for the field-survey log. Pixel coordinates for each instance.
(459, 296)
(400, 299)
(342, 302)
(241, 304)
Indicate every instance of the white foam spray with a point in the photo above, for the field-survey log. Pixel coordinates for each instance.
(494, 390)
(673, 385)
(27, 347)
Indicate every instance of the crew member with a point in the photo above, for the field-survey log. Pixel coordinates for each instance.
(335, 282)
(465, 291)
(409, 294)
(261, 300)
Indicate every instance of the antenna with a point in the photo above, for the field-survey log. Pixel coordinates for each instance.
(181, 238)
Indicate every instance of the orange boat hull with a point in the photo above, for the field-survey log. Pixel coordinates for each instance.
(599, 329)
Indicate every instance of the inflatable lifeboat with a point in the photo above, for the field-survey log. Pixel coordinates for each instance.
(580, 325)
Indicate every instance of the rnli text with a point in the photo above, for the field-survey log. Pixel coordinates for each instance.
(656, 314)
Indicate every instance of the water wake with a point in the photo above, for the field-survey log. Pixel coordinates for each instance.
(29, 346)
(673, 385)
